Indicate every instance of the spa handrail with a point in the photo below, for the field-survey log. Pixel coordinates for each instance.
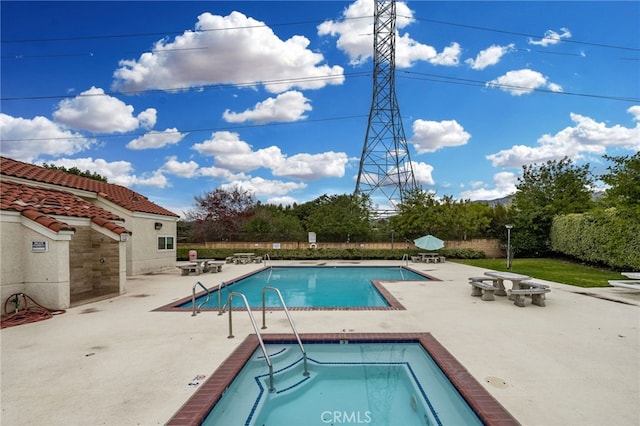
(293, 327)
(255, 328)
(193, 298)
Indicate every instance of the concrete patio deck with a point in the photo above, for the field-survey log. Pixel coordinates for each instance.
(116, 362)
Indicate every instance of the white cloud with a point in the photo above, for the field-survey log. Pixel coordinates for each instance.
(264, 187)
(94, 111)
(284, 201)
(286, 107)
(110, 170)
(185, 169)
(234, 155)
(635, 111)
(312, 166)
(156, 179)
(450, 56)
(244, 51)
(153, 140)
(489, 56)
(25, 139)
(355, 34)
(587, 136)
(551, 37)
(504, 183)
(422, 172)
(430, 136)
(522, 81)
(116, 172)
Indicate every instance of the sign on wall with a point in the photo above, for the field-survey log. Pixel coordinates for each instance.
(39, 246)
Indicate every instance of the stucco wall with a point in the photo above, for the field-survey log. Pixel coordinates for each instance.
(11, 258)
(143, 255)
(43, 276)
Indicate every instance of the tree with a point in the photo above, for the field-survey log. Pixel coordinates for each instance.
(345, 217)
(270, 222)
(624, 182)
(417, 215)
(76, 171)
(544, 191)
(221, 214)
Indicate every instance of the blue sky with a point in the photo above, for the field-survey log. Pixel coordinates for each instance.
(176, 99)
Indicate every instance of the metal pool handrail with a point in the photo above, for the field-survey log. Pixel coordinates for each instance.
(266, 259)
(220, 307)
(293, 327)
(405, 259)
(193, 298)
(255, 328)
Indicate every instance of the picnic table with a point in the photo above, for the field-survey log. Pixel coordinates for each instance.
(500, 277)
(493, 283)
(199, 266)
(430, 257)
(243, 257)
(633, 283)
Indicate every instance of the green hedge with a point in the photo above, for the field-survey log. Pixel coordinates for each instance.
(605, 237)
(318, 254)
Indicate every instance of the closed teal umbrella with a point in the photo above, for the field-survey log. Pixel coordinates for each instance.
(429, 242)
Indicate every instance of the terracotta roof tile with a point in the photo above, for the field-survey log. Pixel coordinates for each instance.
(117, 194)
(40, 204)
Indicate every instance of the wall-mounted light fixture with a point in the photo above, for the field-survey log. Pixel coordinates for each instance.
(158, 226)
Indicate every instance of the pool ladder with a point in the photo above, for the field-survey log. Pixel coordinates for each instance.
(196, 310)
(257, 331)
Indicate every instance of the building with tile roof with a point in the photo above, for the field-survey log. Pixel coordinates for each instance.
(68, 239)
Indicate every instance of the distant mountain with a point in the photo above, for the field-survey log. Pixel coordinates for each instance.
(504, 201)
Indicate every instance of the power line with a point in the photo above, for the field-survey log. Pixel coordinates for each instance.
(438, 78)
(476, 27)
(165, 33)
(206, 129)
(470, 82)
(289, 81)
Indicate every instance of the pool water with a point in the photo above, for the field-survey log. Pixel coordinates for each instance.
(327, 287)
(349, 383)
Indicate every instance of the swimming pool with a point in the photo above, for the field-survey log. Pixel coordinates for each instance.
(315, 287)
(376, 379)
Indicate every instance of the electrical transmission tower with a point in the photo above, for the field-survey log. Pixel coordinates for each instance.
(385, 166)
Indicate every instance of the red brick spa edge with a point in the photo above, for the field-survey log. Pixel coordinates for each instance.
(488, 409)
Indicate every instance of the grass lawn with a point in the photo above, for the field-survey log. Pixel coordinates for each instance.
(560, 271)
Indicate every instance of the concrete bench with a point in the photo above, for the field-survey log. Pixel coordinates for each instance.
(191, 267)
(537, 292)
(214, 266)
(416, 259)
(482, 289)
(484, 278)
(229, 259)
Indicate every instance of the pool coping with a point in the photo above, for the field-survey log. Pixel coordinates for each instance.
(394, 304)
(488, 409)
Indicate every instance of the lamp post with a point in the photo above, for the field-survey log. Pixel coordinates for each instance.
(392, 231)
(508, 245)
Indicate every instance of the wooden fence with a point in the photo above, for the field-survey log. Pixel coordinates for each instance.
(491, 247)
